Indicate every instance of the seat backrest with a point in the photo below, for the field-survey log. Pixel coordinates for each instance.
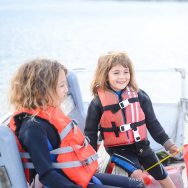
(11, 169)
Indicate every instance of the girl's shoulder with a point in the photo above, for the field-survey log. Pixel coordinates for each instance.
(143, 96)
(96, 102)
(95, 105)
(28, 122)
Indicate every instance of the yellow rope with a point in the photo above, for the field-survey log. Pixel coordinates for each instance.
(160, 161)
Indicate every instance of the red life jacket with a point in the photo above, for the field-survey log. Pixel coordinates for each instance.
(76, 157)
(115, 131)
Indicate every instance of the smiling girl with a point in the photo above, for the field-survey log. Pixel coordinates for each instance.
(124, 113)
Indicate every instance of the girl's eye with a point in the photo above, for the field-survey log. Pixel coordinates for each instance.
(116, 73)
(62, 86)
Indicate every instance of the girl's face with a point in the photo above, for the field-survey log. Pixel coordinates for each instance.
(61, 89)
(118, 77)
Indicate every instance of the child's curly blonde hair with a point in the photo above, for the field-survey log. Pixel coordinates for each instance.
(105, 63)
(34, 84)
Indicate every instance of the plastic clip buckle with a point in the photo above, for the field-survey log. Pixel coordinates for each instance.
(136, 135)
(125, 127)
(124, 104)
(86, 162)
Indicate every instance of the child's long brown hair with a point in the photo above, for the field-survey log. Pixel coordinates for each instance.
(34, 84)
(105, 63)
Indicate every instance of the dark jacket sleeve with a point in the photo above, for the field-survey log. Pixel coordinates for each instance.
(34, 140)
(93, 117)
(153, 125)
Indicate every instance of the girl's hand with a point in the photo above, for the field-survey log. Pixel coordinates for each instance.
(174, 149)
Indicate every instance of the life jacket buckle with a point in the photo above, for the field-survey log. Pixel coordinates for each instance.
(86, 141)
(86, 162)
(136, 135)
(125, 127)
(75, 122)
(124, 104)
(87, 138)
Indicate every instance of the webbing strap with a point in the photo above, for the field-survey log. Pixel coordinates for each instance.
(56, 165)
(116, 107)
(70, 164)
(68, 128)
(132, 126)
(25, 155)
(114, 129)
(53, 152)
(89, 160)
(59, 150)
(69, 148)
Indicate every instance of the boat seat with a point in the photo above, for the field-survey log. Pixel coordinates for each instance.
(11, 169)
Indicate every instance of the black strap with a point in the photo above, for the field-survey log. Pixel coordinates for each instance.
(102, 135)
(116, 107)
(137, 147)
(114, 129)
(132, 125)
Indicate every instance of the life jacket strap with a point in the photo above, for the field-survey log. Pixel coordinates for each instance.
(58, 151)
(115, 130)
(125, 127)
(123, 104)
(100, 129)
(69, 148)
(68, 128)
(70, 164)
(25, 155)
(89, 160)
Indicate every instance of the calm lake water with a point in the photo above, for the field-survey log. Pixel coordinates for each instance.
(154, 35)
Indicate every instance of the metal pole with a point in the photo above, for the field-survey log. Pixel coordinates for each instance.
(182, 71)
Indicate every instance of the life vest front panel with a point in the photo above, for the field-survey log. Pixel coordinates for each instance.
(82, 174)
(133, 113)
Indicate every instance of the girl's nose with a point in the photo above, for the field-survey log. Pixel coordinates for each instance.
(66, 89)
(122, 75)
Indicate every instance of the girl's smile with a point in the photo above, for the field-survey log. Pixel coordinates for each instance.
(118, 77)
